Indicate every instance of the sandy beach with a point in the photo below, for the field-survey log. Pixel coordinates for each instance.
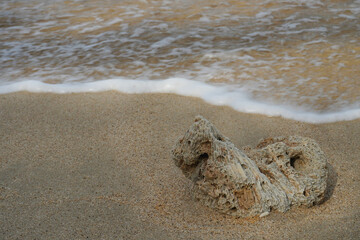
(98, 166)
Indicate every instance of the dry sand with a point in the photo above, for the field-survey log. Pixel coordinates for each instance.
(98, 166)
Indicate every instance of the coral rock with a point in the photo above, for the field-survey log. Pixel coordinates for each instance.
(277, 174)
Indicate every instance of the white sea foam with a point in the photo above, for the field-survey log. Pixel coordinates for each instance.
(238, 99)
(164, 42)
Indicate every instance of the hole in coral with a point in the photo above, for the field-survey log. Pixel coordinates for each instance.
(189, 142)
(306, 193)
(233, 209)
(293, 160)
(203, 157)
(268, 161)
(298, 163)
(219, 138)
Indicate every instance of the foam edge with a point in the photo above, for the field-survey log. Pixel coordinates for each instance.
(215, 95)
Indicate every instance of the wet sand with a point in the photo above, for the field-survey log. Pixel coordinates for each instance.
(98, 166)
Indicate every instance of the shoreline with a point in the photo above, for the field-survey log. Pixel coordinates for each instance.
(211, 94)
(98, 165)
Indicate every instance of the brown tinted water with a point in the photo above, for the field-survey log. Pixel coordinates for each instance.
(303, 53)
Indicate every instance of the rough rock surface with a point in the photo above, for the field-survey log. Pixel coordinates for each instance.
(277, 174)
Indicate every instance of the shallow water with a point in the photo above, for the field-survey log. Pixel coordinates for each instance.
(300, 53)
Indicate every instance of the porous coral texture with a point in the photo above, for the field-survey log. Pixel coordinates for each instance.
(279, 173)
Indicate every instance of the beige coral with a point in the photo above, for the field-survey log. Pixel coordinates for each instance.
(277, 174)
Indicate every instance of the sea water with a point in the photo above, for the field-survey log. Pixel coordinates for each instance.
(299, 59)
